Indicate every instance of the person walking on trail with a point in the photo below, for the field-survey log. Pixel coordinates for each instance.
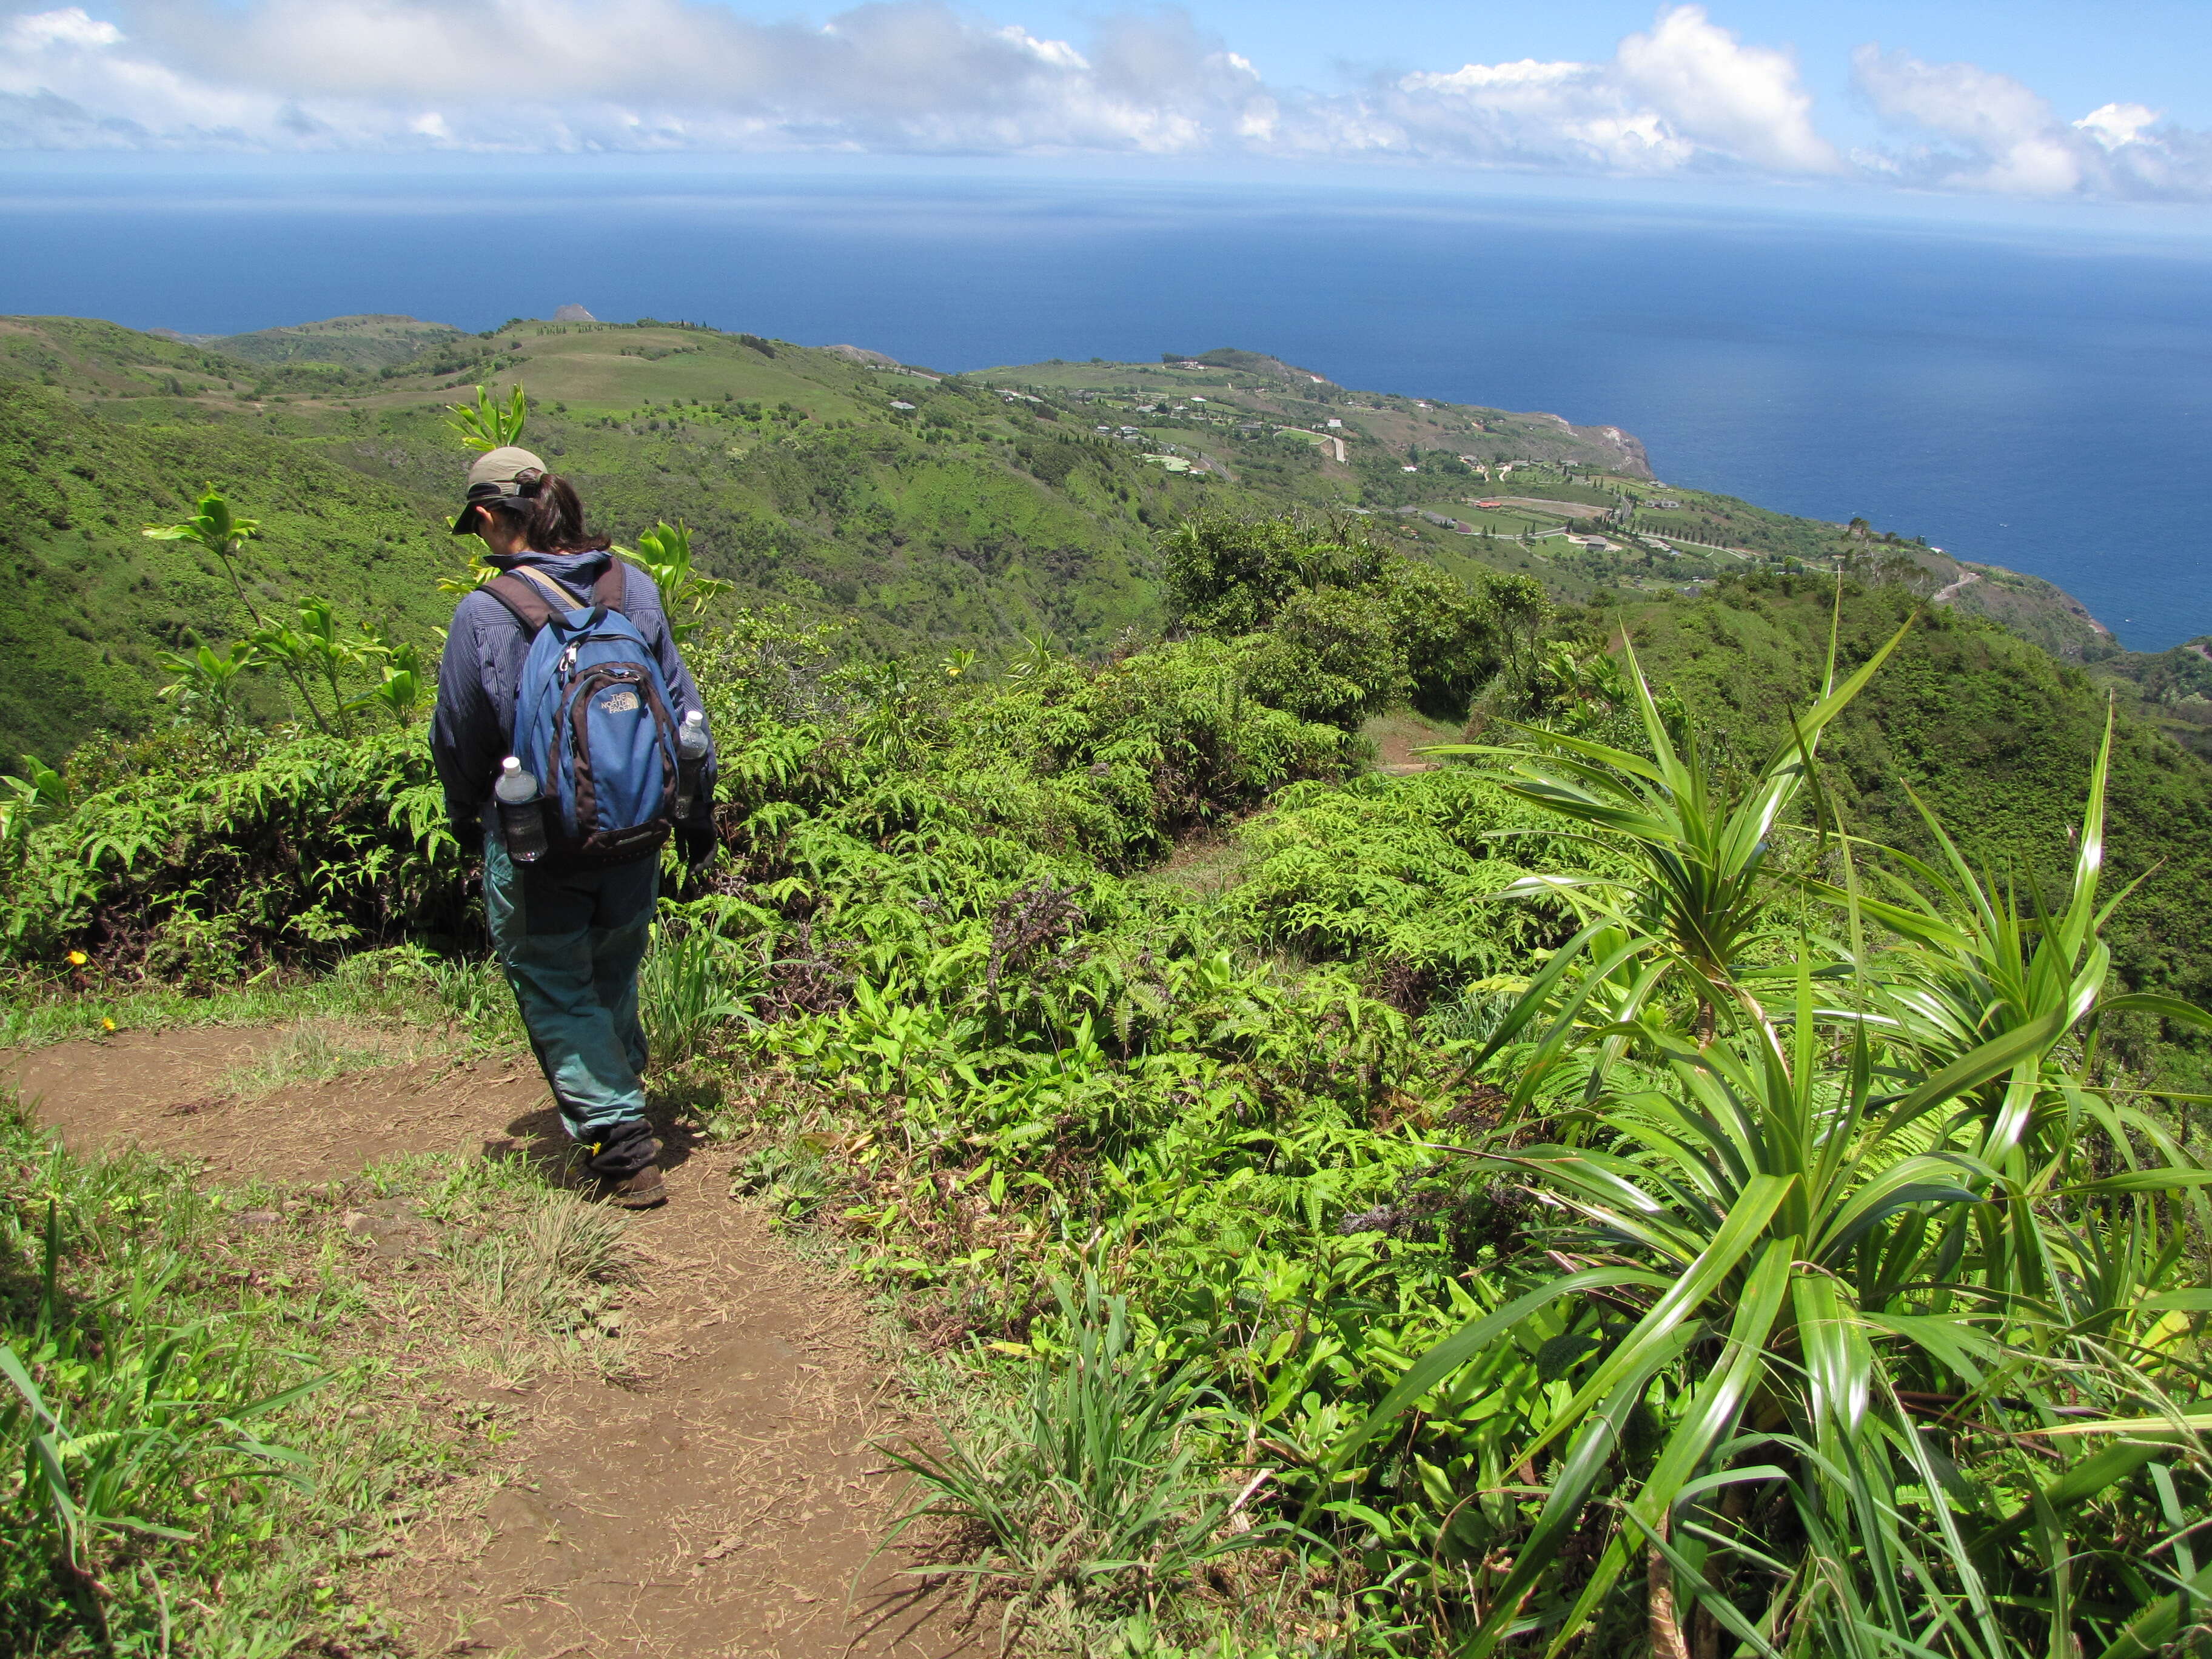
(561, 686)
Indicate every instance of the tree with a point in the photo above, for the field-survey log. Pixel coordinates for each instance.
(207, 683)
(665, 551)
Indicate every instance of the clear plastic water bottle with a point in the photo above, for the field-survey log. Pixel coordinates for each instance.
(521, 812)
(690, 762)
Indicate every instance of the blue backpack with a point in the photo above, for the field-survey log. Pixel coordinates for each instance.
(592, 721)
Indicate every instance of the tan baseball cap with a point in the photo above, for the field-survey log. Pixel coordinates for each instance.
(504, 474)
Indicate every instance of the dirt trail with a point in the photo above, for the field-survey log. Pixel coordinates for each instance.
(721, 1500)
(1945, 595)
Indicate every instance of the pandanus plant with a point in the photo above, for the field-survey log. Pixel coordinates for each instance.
(1701, 896)
(1865, 1320)
(1968, 963)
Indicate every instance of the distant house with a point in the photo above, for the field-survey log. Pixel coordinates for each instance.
(1662, 503)
(1409, 467)
(1492, 501)
(897, 403)
(1336, 423)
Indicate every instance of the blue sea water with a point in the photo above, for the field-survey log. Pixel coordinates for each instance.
(2036, 399)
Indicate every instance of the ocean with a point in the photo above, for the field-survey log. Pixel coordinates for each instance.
(2031, 398)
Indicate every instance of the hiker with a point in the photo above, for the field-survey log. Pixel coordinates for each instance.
(569, 906)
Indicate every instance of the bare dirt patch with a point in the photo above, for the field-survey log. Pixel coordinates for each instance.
(160, 1091)
(720, 1499)
(717, 1494)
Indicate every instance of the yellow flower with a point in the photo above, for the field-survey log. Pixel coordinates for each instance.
(77, 959)
(107, 1024)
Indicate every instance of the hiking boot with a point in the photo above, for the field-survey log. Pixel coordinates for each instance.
(642, 1191)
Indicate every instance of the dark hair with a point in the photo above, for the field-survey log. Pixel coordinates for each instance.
(550, 517)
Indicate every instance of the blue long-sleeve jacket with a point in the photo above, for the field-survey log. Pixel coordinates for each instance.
(473, 727)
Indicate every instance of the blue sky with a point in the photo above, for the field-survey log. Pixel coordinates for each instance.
(2029, 103)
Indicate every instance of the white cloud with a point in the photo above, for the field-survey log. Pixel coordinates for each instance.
(1685, 95)
(2115, 124)
(907, 74)
(1992, 133)
(1688, 95)
(1741, 102)
(2006, 137)
(72, 25)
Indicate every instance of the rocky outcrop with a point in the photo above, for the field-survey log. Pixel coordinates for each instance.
(862, 355)
(1634, 460)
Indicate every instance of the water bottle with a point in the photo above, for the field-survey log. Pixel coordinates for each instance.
(690, 762)
(521, 812)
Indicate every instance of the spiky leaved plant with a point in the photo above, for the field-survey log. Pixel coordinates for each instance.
(1704, 849)
(1850, 1306)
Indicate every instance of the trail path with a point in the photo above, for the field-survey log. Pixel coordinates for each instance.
(1945, 595)
(721, 1500)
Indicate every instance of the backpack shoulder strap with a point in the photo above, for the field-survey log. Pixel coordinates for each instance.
(612, 584)
(536, 599)
(525, 598)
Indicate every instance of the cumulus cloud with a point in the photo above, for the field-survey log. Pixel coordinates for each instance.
(895, 74)
(625, 75)
(1688, 95)
(1741, 102)
(1986, 131)
(1685, 96)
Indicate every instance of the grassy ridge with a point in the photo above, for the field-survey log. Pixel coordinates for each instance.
(992, 509)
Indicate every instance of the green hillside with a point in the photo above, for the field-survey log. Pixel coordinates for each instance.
(95, 601)
(924, 509)
(369, 342)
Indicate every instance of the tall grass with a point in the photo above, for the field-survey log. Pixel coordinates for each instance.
(134, 1418)
(555, 1266)
(1091, 1482)
(700, 975)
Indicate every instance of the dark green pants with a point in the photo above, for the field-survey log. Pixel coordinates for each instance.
(571, 941)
